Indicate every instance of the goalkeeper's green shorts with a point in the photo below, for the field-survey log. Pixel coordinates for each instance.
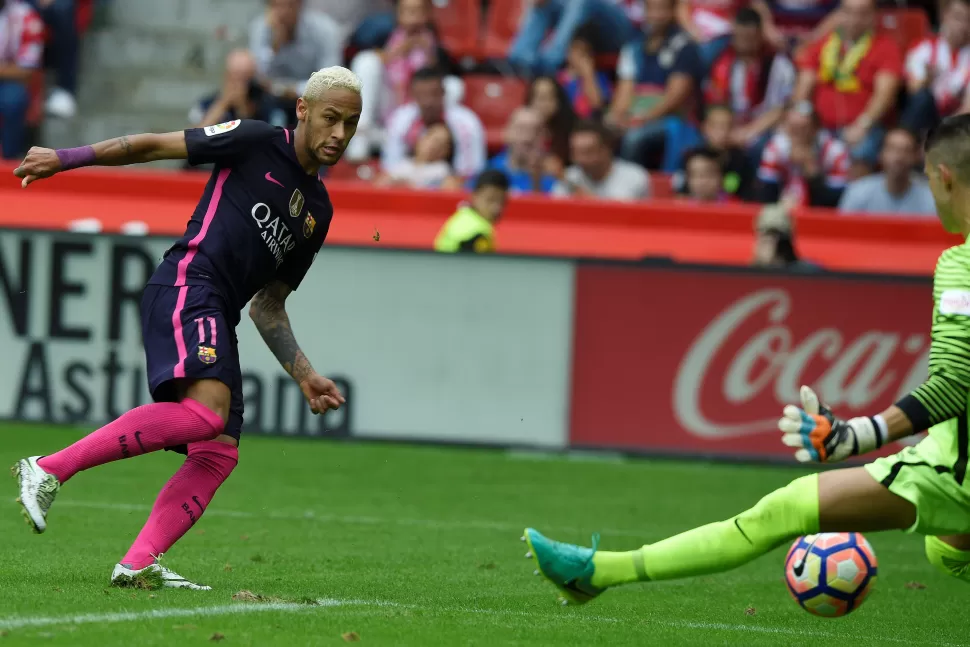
(922, 475)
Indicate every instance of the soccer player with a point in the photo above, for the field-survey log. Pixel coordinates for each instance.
(923, 488)
(261, 221)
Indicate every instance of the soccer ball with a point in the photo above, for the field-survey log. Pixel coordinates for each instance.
(830, 574)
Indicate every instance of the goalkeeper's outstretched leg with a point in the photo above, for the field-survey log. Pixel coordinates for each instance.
(836, 501)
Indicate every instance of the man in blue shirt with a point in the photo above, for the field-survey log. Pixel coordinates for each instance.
(898, 189)
(656, 99)
(260, 222)
(521, 161)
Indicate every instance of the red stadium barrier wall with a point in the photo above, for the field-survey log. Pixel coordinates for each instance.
(698, 362)
(683, 231)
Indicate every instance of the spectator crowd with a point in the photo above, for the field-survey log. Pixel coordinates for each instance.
(781, 102)
(768, 101)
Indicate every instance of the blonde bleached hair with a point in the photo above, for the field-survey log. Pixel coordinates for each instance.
(329, 78)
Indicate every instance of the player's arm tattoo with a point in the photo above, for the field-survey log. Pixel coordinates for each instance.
(135, 149)
(268, 312)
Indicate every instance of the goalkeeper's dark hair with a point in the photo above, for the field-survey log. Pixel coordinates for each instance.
(948, 143)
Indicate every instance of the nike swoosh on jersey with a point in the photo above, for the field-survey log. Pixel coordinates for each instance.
(270, 178)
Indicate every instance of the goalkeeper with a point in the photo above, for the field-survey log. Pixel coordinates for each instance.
(922, 489)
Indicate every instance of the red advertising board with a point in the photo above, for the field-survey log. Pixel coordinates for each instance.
(702, 362)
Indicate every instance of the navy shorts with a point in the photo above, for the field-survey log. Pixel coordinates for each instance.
(187, 335)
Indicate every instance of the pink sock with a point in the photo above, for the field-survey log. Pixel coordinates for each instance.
(146, 429)
(182, 501)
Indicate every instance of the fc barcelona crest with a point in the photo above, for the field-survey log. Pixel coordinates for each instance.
(207, 354)
(309, 225)
(296, 203)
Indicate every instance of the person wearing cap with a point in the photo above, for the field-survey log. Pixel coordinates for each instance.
(774, 243)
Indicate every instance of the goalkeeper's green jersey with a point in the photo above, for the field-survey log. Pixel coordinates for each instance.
(944, 395)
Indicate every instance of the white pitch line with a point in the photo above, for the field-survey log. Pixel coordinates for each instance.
(18, 622)
(243, 608)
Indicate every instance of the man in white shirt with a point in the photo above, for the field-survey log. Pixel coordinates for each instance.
(595, 172)
(289, 44)
(938, 71)
(427, 108)
(897, 190)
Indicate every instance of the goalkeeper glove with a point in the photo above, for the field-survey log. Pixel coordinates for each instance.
(823, 438)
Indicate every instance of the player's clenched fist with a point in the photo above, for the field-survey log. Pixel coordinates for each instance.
(39, 163)
(321, 393)
(820, 436)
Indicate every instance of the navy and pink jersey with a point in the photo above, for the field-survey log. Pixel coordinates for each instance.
(262, 218)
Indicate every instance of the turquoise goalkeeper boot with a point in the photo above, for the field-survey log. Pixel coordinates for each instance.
(567, 566)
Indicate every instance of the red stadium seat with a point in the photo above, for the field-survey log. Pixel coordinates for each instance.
(493, 98)
(501, 25)
(909, 26)
(459, 24)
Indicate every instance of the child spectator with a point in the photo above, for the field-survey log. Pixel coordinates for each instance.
(753, 80)
(386, 74)
(549, 99)
(738, 171)
(472, 227)
(595, 173)
(522, 158)
(428, 107)
(938, 71)
(803, 164)
(705, 176)
(430, 167)
(588, 89)
(21, 51)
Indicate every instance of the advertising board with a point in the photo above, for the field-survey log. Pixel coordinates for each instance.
(425, 346)
(703, 362)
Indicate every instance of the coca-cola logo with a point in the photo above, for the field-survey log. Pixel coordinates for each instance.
(857, 371)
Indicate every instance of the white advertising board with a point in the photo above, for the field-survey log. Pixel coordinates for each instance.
(428, 347)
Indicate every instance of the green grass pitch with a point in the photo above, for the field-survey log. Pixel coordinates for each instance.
(401, 545)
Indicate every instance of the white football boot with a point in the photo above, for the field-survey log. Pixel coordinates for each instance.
(123, 576)
(37, 491)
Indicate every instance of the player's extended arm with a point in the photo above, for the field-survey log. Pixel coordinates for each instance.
(268, 312)
(127, 149)
(821, 436)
